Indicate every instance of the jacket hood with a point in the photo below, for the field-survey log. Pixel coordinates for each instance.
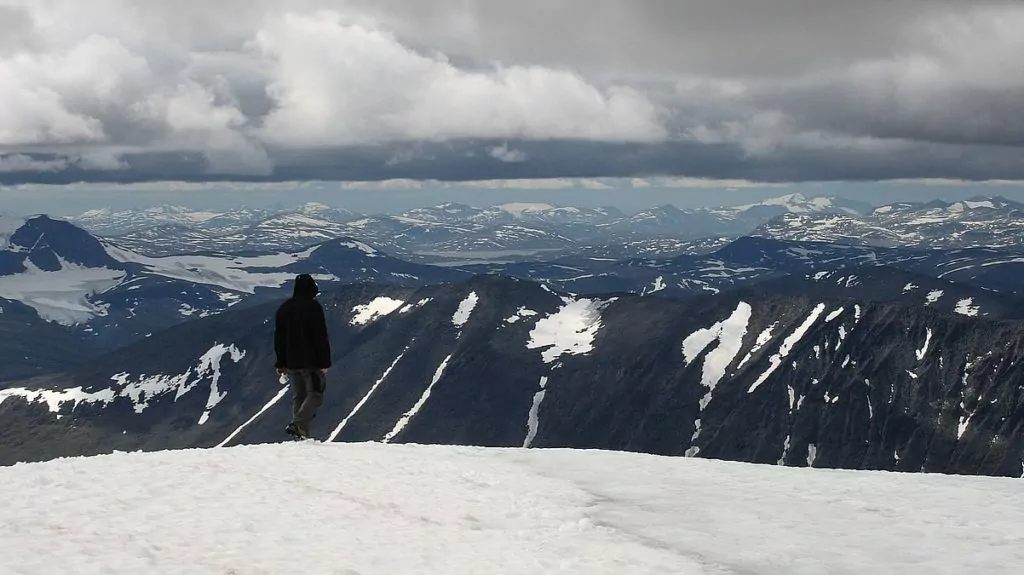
(305, 287)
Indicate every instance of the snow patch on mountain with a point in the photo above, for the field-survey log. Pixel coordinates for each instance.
(966, 307)
(141, 390)
(521, 313)
(533, 419)
(409, 415)
(659, 285)
(569, 331)
(341, 426)
(56, 398)
(465, 310)
(363, 248)
(209, 365)
(762, 340)
(411, 306)
(729, 334)
(923, 351)
(61, 296)
(369, 312)
(283, 380)
(787, 346)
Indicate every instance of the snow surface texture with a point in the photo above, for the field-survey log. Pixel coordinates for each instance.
(249, 510)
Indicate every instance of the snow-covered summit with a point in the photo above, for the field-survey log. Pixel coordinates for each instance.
(252, 509)
(977, 222)
(108, 221)
(798, 203)
(518, 209)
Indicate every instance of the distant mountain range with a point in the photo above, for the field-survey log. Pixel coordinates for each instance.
(110, 296)
(106, 296)
(750, 376)
(450, 231)
(548, 327)
(981, 222)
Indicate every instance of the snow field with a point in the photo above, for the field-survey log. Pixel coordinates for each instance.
(368, 508)
(380, 307)
(569, 331)
(61, 296)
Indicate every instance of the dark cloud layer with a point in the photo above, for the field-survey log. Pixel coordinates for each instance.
(774, 90)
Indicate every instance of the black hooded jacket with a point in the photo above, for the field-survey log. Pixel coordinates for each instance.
(300, 329)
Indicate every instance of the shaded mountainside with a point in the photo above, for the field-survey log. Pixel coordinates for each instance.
(31, 346)
(748, 376)
(887, 284)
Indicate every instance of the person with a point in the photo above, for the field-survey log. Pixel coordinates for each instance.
(303, 351)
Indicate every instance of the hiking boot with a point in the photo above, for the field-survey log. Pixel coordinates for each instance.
(301, 431)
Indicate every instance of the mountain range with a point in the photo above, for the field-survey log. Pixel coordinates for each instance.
(980, 222)
(813, 351)
(749, 376)
(109, 295)
(448, 231)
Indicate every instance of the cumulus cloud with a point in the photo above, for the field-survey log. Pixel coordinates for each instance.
(391, 89)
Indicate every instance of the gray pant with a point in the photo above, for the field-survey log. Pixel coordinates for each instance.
(307, 395)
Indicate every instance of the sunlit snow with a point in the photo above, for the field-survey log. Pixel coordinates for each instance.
(729, 334)
(521, 313)
(923, 351)
(569, 331)
(369, 312)
(236, 273)
(143, 389)
(533, 419)
(967, 307)
(465, 310)
(787, 346)
(341, 426)
(254, 509)
(409, 415)
(61, 296)
(762, 340)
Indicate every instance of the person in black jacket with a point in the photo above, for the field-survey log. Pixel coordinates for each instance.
(303, 352)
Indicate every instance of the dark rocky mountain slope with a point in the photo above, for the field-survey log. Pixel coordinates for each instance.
(747, 376)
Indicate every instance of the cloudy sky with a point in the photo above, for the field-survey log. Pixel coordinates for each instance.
(292, 90)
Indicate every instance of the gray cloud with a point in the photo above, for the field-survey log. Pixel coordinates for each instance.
(479, 89)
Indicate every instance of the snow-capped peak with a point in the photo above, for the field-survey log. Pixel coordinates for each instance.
(518, 209)
(796, 203)
(314, 208)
